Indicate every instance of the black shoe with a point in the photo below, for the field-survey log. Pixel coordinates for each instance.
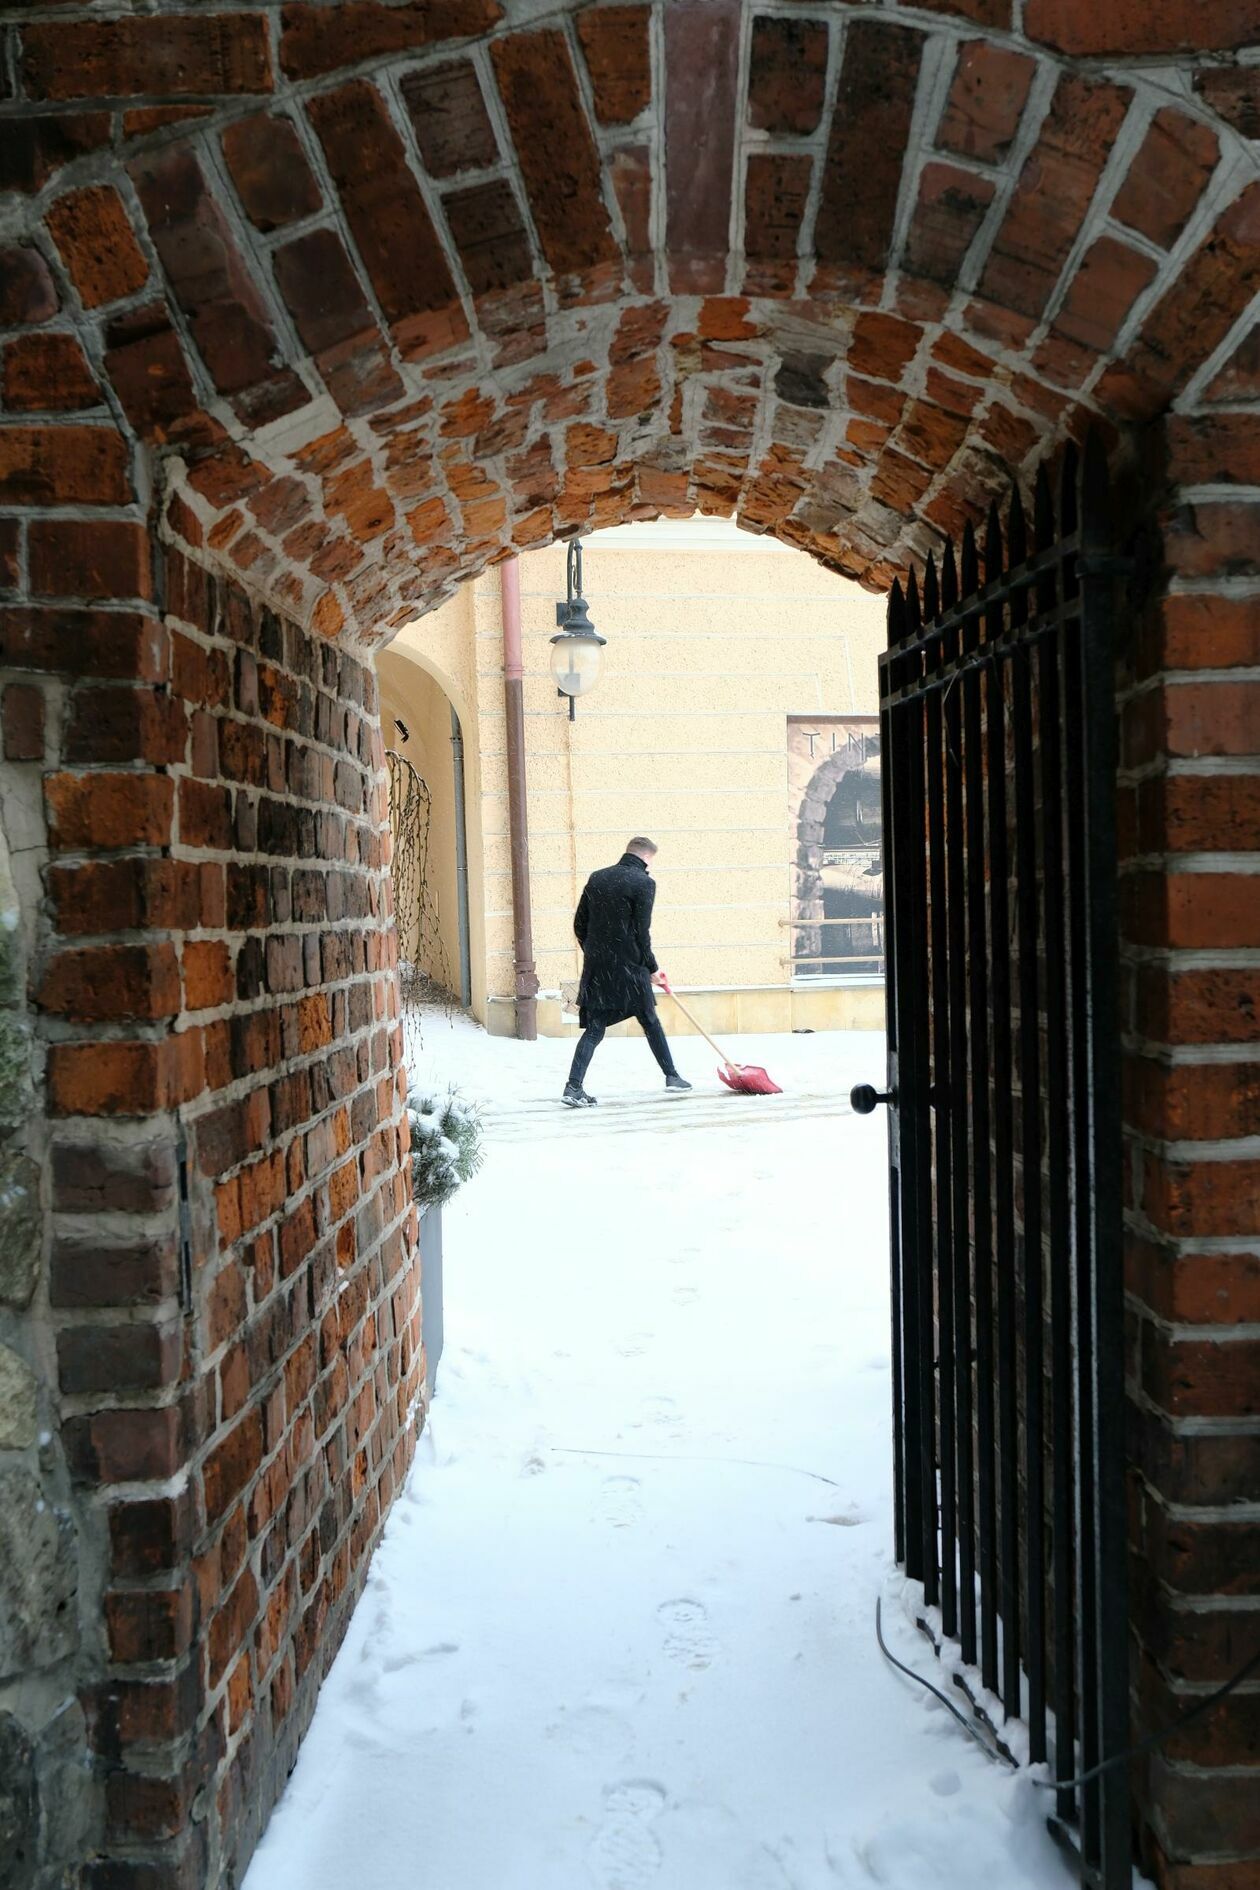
(575, 1097)
(677, 1082)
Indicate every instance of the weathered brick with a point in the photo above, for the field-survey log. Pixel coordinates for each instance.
(951, 206)
(231, 1465)
(448, 112)
(28, 293)
(787, 74)
(89, 559)
(108, 810)
(556, 150)
(490, 236)
(114, 723)
(268, 166)
(1167, 177)
(1099, 300)
(1052, 198)
(986, 101)
(618, 59)
(107, 982)
(776, 192)
(35, 148)
(22, 720)
(63, 465)
(227, 316)
(92, 230)
(149, 1624)
(149, 1535)
(388, 218)
(1199, 308)
(47, 373)
(140, 1356)
(1234, 94)
(1140, 26)
(120, 1446)
(122, 1079)
(324, 296)
(182, 55)
(316, 39)
(870, 132)
(104, 1272)
(84, 642)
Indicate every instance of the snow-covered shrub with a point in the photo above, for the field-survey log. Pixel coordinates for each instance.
(445, 1144)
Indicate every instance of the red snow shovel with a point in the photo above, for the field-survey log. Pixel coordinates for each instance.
(746, 1079)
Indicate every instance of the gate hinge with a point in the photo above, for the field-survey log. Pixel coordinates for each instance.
(185, 1227)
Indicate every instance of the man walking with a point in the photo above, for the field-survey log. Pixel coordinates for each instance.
(613, 926)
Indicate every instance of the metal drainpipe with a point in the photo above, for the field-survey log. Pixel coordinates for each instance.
(518, 814)
(461, 864)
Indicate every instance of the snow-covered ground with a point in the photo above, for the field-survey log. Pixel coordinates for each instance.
(619, 1634)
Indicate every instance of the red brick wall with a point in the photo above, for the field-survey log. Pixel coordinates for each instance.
(1190, 799)
(240, 1378)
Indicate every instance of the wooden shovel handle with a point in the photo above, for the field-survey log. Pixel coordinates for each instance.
(697, 1025)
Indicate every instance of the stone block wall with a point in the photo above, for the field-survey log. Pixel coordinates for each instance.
(225, 1300)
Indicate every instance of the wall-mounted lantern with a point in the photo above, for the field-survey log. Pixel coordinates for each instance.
(575, 650)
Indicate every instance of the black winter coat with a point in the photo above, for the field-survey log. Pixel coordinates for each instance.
(613, 924)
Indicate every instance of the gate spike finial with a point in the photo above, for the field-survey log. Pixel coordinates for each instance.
(1016, 530)
(896, 613)
(949, 576)
(993, 569)
(931, 592)
(914, 616)
(970, 561)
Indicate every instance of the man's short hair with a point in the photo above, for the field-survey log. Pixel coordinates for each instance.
(641, 844)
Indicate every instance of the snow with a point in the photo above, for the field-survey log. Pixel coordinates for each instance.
(619, 1634)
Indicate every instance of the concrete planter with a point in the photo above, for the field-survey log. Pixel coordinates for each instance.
(431, 1292)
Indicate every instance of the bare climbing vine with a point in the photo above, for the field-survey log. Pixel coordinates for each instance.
(424, 971)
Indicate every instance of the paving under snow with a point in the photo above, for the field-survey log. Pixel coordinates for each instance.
(619, 1634)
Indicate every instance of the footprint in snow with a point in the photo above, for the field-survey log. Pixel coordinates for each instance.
(684, 1295)
(843, 1519)
(625, 1852)
(533, 1465)
(688, 1638)
(621, 1502)
(634, 1345)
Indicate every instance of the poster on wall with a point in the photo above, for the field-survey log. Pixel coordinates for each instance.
(836, 922)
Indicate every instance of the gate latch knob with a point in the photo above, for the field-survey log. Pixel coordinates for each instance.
(864, 1098)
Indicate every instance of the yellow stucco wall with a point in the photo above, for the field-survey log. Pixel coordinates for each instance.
(714, 639)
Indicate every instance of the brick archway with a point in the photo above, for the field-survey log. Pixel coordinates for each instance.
(310, 313)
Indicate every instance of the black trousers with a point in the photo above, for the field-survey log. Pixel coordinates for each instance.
(591, 1038)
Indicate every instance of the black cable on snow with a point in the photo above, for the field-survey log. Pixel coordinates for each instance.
(1123, 1757)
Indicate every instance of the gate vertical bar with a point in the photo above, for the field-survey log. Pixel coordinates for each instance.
(942, 1139)
(1085, 1504)
(1058, 1102)
(980, 1127)
(914, 1104)
(957, 1103)
(892, 788)
(1106, 1164)
(1029, 1250)
(1003, 1148)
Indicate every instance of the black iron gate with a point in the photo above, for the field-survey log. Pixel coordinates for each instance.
(997, 709)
